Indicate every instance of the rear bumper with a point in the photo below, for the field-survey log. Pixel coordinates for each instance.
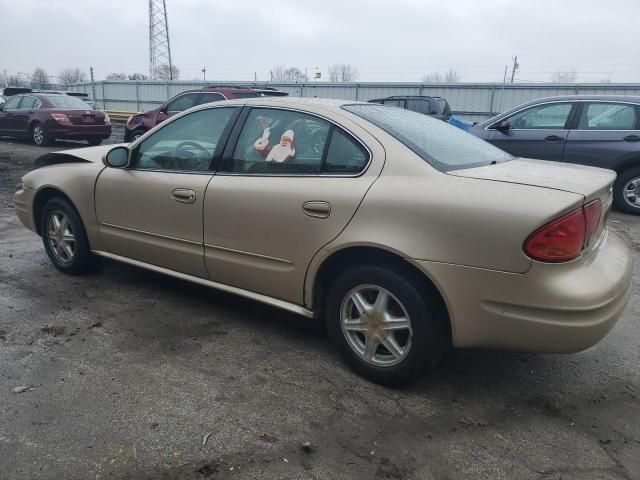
(553, 308)
(79, 132)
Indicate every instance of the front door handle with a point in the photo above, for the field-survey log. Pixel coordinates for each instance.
(553, 139)
(183, 195)
(316, 209)
(632, 138)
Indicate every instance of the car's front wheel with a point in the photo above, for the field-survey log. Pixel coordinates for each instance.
(387, 327)
(64, 237)
(40, 136)
(626, 191)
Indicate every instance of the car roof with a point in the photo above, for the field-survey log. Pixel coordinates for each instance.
(408, 96)
(302, 102)
(614, 98)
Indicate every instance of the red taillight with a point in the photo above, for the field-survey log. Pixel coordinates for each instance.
(61, 118)
(563, 239)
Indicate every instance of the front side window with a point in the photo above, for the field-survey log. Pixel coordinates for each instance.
(12, 103)
(549, 116)
(186, 144)
(443, 146)
(182, 103)
(608, 116)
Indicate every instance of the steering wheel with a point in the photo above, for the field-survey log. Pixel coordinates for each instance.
(187, 143)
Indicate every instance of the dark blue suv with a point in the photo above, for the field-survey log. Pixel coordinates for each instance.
(596, 130)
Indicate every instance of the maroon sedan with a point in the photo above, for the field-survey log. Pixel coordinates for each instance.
(44, 117)
(139, 124)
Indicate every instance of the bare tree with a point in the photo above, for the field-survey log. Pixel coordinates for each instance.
(433, 78)
(451, 76)
(138, 76)
(69, 76)
(116, 76)
(39, 78)
(281, 73)
(568, 76)
(163, 73)
(343, 73)
(448, 77)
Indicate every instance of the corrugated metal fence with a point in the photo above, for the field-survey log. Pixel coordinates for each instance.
(473, 101)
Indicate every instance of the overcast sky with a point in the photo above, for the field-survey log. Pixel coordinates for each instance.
(399, 40)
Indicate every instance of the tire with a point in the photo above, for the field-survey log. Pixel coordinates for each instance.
(94, 141)
(422, 345)
(40, 136)
(136, 134)
(72, 234)
(626, 191)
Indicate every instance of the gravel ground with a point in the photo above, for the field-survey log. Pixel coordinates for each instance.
(133, 375)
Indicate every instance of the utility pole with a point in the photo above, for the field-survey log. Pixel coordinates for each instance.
(93, 88)
(204, 73)
(516, 66)
(504, 81)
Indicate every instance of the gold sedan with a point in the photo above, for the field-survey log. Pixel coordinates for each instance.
(406, 235)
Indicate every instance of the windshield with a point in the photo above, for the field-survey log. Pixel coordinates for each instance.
(65, 101)
(443, 146)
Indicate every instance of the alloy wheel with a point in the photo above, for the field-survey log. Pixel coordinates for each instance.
(61, 237)
(632, 192)
(376, 325)
(38, 135)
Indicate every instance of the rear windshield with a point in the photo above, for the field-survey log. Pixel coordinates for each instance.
(443, 146)
(65, 101)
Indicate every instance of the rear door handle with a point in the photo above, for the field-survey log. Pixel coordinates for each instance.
(183, 195)
(316, 209)
(553, 139)
(632, 138)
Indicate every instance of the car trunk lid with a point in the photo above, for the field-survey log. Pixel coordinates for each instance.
(590, 182)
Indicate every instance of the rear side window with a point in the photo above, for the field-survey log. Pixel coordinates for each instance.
(209, 97)
(608, 116)
(421, 106)
(394, 103)
(247, 95)
(275, 141)
(443, 146)
(27, 103)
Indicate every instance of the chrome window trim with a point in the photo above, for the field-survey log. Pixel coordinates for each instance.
(298, 175)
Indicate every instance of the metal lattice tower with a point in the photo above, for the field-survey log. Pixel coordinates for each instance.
(160, 66)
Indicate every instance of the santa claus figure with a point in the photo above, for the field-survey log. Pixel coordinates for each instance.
(284, 151)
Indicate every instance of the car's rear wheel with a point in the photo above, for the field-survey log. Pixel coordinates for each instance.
(40, 136)
(95, 141)
(387, 327)
(64, 237)
(626, 191)
(136, 134)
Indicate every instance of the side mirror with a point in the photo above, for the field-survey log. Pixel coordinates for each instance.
(117, 157)
(502, 126)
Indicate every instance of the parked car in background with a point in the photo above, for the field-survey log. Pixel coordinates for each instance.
(596, 130)
(140, 123)
(404, 233)
(45, 117)
(436, 107)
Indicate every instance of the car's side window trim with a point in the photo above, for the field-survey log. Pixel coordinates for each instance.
(227, 157)
(528, 107)
(217, 154)
(585, 103)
